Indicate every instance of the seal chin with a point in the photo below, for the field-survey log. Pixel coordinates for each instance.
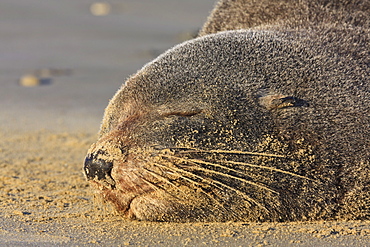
(148, 205)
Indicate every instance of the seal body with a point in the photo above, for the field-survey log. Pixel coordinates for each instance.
(261, 123)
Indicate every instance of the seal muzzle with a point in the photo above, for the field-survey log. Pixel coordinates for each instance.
(98, 169)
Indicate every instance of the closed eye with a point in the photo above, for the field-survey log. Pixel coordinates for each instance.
(181, 113)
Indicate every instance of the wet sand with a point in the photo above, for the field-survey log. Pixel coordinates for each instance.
(80, 60)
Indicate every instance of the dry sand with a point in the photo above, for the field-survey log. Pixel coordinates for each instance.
(80, 60)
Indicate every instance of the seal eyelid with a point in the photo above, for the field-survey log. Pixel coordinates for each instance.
(181, 113)
(289, 101)
(278, 101)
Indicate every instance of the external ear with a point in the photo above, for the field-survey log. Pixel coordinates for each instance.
(279, 101)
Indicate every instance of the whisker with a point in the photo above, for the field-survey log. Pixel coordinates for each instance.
(164, 180)
(219, 151)
(170, 168)
(248, 164)
(153, 185)
(192, 182)
(212, 182)
(189, 173)
(194, 161)
(268, 168)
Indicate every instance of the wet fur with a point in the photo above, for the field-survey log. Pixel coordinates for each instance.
(267, 122)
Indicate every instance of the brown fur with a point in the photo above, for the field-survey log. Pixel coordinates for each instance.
(286, 15)
(267, 123)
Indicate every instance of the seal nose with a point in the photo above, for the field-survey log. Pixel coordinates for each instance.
(98, 169)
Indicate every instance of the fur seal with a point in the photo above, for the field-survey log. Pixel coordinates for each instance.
(264, 117)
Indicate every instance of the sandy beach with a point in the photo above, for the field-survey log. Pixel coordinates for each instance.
(60, 63)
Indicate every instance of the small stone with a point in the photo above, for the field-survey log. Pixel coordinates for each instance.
(29, 81)
(19, 212)
(100, 8)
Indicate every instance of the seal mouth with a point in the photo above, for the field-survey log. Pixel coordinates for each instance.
(142, 203)
(99, 170)
(121, 201)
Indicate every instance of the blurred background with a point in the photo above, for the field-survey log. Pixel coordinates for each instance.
(61, 61)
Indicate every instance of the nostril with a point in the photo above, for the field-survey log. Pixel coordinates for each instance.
(97, 168)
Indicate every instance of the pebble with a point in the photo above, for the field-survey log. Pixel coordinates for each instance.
(100, 8)
(29, 81)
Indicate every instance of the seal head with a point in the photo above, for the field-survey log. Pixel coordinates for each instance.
(245, 125)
